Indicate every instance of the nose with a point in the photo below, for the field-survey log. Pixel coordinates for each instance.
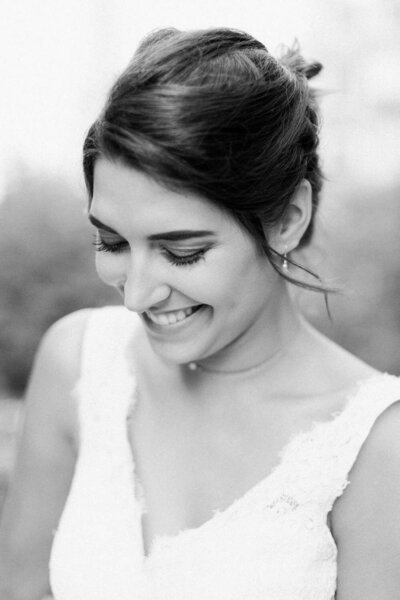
(143, 289)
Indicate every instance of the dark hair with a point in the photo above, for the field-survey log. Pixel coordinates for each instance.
(213, 112)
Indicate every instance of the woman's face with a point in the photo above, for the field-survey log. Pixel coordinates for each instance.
(187, 268)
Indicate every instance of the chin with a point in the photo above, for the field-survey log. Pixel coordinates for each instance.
(182, 354)
(174, 357)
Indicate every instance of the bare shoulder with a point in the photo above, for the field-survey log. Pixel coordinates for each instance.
(56, 368)
(58, 363)
(378, 463)
(366, 518)
(62, 341)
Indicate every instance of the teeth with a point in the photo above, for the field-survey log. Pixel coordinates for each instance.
(171, 317)
(163, 319)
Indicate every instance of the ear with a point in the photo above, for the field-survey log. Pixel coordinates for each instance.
(286, 235)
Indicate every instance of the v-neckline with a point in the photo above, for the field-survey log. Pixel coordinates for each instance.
(223, 514)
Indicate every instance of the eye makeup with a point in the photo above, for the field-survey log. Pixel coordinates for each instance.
(108, 240)
(188, 259)
(102, 245)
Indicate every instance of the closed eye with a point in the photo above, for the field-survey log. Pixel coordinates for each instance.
(102, 246)
(185, 260)
(175, 259)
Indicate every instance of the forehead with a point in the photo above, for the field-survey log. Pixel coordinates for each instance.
(123, 196)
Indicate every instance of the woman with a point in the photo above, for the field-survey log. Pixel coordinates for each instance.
(229, 478)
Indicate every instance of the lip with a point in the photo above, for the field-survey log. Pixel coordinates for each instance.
(174, 327)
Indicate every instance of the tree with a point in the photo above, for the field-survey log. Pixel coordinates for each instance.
(46, 268)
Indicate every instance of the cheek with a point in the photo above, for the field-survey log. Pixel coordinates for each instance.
(108, 269)
(227, 285)
(245, 285)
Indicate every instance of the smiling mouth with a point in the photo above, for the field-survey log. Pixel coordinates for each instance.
(172, 317)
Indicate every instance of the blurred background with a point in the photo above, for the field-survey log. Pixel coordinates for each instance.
(59, 59)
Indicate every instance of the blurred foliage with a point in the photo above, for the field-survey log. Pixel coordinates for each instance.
(357, 247)
(46, 268)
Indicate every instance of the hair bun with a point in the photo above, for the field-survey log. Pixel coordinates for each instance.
(292, 59)
(312, 69)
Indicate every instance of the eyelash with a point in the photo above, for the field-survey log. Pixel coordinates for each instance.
(179, 261)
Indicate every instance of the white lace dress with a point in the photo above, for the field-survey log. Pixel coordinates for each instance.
(273, 543)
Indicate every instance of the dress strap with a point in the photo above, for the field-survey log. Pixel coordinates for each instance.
(318, 461)
(105, 387)
(353, 427)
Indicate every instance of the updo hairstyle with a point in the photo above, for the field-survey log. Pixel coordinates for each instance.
(214, 113)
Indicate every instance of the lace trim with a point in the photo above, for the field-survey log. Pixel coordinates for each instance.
(313, 466)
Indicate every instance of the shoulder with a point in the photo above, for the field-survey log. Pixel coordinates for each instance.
(68, 329)
(55, 372)
(379, 456)
(82, 340)
(366, 518)
(62, 343)
(60, 346)
(377, 464)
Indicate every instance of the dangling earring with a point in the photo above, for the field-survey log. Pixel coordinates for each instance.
(285, 264)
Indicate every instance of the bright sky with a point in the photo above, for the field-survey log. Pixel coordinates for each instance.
(60, 57)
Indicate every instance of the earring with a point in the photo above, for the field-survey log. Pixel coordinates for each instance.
(285, 264)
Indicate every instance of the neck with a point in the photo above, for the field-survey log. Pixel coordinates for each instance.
(262, 346)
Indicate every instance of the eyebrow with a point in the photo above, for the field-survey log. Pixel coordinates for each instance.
(171, 236)
(100, 225)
